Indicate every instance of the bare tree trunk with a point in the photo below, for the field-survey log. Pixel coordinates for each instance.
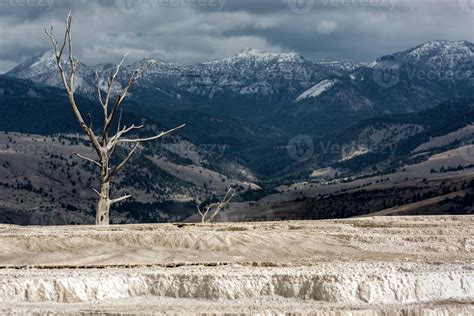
(106, 144)
(103, 204)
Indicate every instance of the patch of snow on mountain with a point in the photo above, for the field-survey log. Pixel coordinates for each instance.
(317, 90)
(345, 65)
(373, 64)
(255, 54)
(443, 48)
(47, 58)
(353, 153)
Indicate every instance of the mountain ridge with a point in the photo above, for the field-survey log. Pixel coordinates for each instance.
(263, 88)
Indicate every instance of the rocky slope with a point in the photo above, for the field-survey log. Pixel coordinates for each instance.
(41, 180)
(251, 72)
(404, 82)
(210, 155)
(289, 91)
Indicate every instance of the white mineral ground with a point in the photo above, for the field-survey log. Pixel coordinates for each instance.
(367, 266)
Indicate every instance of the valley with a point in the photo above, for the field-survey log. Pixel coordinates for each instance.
(254, 122)
(236, 157)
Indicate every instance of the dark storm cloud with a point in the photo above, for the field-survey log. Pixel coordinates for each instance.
(362, 30)
(190, 31)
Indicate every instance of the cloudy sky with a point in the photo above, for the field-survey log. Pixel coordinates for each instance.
(189, 31)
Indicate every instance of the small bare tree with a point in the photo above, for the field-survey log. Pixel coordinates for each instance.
(105, 144)
(214, 209)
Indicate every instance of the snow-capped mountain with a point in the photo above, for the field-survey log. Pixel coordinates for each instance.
(444, 55)
(41, 68)
(286, 90)
(251, 72)
(434, 61)
(403, 82)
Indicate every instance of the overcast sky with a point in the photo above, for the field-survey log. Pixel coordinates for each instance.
(190, 31)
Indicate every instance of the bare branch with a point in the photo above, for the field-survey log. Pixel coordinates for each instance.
(120, 166)
(137, 73)
(72, 63)
(51, 38)
(215, 207)
(111, 80)
(199, 210)
(90, 121)
(139, 140)
(203, 214)
(220, 206)
(120, 199)
(119, 122)
(115, 139)
(114, 145)
(228, 197)
(98, 193)
(69, 84)
(99, 91)
(87, 159)
(110, 117)
(58, 51)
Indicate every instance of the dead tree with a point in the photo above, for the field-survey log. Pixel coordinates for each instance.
(105, 143)
(214, 209)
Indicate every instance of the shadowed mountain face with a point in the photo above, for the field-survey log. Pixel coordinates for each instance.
(351, 121)
(251, 80)
(287, 91)
(41, 179)
(405, 82)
